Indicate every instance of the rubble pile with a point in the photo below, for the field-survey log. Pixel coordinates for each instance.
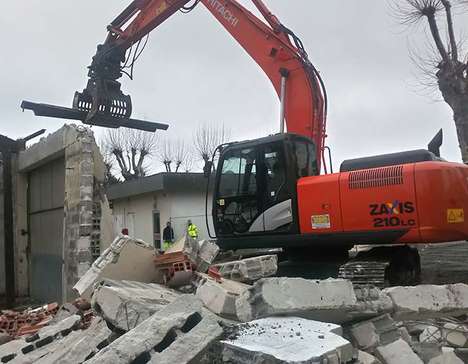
(238, 312)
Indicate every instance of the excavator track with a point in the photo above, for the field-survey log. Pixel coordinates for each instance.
(383, 267)
(366, 273)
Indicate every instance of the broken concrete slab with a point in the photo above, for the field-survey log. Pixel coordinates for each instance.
(189, 347)
(379, 331)
(287, 340)
(446, 358)
(62, 327)
(157, 334)
(125, 259)
(11, 349)
(366, 358)
(126, 304)
(331, 300)
(397, 352)
(83, 345)
(371, 301)
(65, 311)
(429, 301)
(220, 297)
(40, 354)
(38, 345)
(249, 270)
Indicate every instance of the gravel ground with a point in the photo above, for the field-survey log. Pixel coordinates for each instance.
(445, 263)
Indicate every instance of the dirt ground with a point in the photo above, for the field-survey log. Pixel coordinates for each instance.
(444, 263)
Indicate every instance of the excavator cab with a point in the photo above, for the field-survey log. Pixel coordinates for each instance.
(255, 189)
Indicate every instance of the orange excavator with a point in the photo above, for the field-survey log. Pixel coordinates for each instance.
(269, 192)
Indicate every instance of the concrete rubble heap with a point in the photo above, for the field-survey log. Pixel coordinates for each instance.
(238, 313)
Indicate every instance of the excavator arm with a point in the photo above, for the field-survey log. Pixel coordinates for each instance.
(275, 48)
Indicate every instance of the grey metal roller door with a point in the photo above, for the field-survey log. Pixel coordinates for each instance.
(46, 214)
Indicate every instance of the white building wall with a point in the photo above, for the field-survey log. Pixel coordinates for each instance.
(179, 207)
(136, 213)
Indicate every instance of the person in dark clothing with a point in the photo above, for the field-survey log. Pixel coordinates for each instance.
(168, 236)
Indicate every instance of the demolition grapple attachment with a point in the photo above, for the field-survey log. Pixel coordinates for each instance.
(102, 93)
(101, 103)
(104, 97)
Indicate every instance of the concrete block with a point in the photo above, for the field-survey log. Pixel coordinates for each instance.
(398, 352)
(446, 358)
(220, 297)
(328, 300)
(364, 335)
(287, 340)
(249, 270)
(366, 358)
(127, 304)
(429, 301)
(207, 253)
(157, 334)
(125, 259)
(378, 331)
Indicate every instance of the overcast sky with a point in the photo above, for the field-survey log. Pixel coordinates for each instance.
(193, 72)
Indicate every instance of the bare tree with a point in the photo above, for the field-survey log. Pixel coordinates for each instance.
(180, 154)
(107, 157)
(176, 155)
(166, 154)
(207, 139)
(130, 149)
(448, 67)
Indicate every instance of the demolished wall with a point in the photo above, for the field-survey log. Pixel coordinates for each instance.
(87, 220)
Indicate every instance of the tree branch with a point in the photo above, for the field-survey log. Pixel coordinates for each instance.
(453, 41)
(436, 36)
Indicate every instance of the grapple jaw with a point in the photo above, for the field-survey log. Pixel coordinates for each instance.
(103, 92)
(105, 97)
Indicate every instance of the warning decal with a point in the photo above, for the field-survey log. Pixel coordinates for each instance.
(455, 216)
(321, 222)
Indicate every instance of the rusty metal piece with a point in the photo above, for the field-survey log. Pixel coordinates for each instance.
(99, 119)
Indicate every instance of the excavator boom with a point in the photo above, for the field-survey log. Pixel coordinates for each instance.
(275, 48)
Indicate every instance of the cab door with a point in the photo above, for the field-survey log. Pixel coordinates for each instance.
(238, 202)
(277, 212)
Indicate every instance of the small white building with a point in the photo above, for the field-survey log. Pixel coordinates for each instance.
(145, 205)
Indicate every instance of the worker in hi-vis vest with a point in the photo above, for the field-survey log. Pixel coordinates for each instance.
(192, 230)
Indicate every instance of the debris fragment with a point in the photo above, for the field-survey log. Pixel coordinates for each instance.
(220, 296)
(163, 336)
(126, 304)
(275, 340)
(125, 259)
(249, 270)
